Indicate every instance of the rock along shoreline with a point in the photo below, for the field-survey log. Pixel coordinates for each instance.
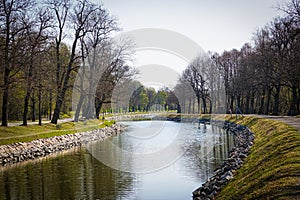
(23, 151)
(224, 173)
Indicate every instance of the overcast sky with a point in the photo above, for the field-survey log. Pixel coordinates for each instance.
(216, 25)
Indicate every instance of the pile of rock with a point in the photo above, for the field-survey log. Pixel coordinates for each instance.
(243, 141)
(23, 151)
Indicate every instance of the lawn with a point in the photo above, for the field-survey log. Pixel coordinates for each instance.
(272, 169)
(15, 134)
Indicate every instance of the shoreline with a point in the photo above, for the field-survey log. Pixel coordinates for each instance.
(243, 138)
(23, 151)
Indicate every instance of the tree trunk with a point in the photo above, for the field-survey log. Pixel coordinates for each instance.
(6, 75)
(98, 109)
(57, 108)
(247, 104)
(268, 101)
(193, 100)
(79, 105)
(293, 107)
(178, 108)
(25, 111)
(50, 105)
(5, 100)
(204, 105)
(232, 102)
(211, 107)
(61, 93)
(28, 91)
(198, 102)
(252, 104)
(40, 105)
(190, 105)
(276, 100)
(238, 101)
(262, 102)
(33, 107)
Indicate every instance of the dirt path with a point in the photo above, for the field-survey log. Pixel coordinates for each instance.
(43, 122)
(293, 121)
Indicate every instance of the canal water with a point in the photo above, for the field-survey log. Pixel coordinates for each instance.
(151, 160)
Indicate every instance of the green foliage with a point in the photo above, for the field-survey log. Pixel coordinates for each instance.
(107, 123)
(65, 116)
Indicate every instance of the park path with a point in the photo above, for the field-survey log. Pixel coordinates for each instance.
(43, 122)
(293, 121)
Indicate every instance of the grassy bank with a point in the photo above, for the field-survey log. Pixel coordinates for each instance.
(272, 169)
(9, 135)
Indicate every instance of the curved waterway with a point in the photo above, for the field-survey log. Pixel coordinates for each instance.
(150, 160)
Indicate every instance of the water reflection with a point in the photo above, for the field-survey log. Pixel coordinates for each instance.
(210, 146)
(78, 175)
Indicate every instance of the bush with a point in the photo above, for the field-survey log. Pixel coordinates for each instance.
(107, 123)
(65, 116)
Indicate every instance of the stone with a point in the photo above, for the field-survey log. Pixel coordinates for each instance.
(243, 138)
(30, 150)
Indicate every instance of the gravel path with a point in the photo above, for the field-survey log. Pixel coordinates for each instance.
(293, 121)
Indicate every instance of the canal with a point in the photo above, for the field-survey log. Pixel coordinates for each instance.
(150, 160)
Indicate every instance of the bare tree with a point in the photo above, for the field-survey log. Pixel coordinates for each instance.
(197, 75)
(115, 69)
(102, 24)
(78, 17)
(36, 36)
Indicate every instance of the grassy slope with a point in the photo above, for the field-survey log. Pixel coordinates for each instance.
(14, 134)
(272, 169)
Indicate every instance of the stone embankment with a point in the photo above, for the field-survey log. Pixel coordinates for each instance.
(243, 141)
(23, 151)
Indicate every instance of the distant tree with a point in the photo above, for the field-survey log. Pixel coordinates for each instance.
(196, 75)
(151, 94)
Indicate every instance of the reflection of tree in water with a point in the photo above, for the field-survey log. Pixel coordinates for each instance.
(209, 147)
(74, 176)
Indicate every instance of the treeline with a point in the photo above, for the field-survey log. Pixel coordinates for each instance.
(262, 77)
(58, 56)
(148, 99)
(47, 47)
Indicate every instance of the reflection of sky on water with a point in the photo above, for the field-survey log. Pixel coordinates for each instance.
(203, 148)
(78, 175)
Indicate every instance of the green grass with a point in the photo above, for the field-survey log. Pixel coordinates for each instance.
(9, 135)
(272, 169)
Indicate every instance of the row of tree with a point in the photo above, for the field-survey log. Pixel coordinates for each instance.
(59, 55)
(262, 77)
(47, 47)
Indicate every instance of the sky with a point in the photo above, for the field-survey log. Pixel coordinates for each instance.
(214, 25)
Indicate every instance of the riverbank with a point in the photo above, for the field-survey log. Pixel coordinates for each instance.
(22, 151)
(14, 134)
(243, 139)
(271, 170)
